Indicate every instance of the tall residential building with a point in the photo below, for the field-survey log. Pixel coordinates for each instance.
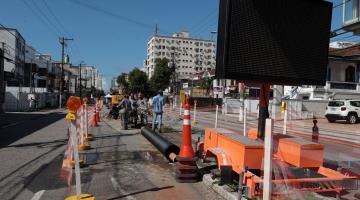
(190, 55)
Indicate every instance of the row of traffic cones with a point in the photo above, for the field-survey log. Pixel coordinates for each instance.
(186, 168)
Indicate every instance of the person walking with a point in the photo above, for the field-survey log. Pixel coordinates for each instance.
(31, 104)
(158, 104)
(125, 108)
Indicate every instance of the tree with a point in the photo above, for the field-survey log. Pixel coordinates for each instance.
(207, 84)
(138, 81)
(122, 82)
(161, 77)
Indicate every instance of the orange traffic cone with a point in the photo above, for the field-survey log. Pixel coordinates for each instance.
(97, 115)
(187, 170)
(94, 120)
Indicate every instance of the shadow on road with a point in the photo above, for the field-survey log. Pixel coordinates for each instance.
(23, 125)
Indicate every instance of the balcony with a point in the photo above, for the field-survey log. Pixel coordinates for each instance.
(351, 16)
(343, 86)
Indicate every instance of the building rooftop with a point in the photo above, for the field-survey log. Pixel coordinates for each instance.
(345, 52)
(12, 29)
(183, 38)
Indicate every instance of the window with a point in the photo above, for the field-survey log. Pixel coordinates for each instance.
(336, 103)
(355, 103)
(350, 74)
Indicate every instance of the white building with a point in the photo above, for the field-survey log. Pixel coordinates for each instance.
(13, 46)
(190, 55)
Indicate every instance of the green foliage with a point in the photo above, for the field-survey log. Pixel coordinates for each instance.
(207, 83)
(162, 74)
(121, 81)
(138, 81)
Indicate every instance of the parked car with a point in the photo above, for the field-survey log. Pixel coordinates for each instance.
(348, 110)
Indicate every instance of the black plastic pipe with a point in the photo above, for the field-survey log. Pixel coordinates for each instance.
(167, 148)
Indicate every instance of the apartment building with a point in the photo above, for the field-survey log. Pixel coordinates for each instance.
(190, 55)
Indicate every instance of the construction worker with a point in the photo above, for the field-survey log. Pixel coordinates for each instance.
(125, 108)
(158, 104)
(134, 107)
(143, 109)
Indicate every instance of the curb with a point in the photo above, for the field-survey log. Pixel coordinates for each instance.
(209, 182)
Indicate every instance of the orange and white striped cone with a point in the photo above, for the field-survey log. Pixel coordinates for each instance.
(94, 121)
(82, 142)
(97, 111)
(88, 136)
(187, 170)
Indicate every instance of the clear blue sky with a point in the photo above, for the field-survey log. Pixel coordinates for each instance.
(110, 34)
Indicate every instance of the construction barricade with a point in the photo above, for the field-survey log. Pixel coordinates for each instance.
(78, 131)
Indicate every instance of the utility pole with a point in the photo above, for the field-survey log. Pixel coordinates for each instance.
(80, 65)
(63, 44)
(80, 80)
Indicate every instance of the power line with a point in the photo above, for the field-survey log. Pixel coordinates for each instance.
(46, 17)
(340, 4)
(77, 49)
(55, 17)
(5, 28)
(114, 15)
(41, 19)
(206, 25)
(203, 19)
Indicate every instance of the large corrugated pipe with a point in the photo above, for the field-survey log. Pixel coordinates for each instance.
(168, 149)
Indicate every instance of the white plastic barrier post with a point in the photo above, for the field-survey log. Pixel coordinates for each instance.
(82, 131)
(268, 143)
(241, 113)
(216, 116)
(76, 158)
(180, 110)
(285, 122)
(86, 120)
(194, 118)
(245, 109)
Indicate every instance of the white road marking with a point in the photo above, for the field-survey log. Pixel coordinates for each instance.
(38, 195)
(116, 187)
(9, 125)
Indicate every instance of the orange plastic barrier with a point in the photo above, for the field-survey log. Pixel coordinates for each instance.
(253, 134)
(233, 149)
(300, 153)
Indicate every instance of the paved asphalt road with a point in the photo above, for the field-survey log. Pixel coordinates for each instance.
(121, 164)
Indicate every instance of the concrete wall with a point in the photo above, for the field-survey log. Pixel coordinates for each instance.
(16, 99)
